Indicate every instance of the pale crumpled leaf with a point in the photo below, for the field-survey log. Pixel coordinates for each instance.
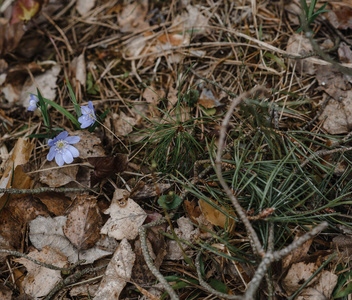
(56, 177)
(184, 231)
(48, 231)
(117, 273)
(84, 6)
(39, 280)
(46, 83)
(297, 275)
(132, 16)
(126, 216)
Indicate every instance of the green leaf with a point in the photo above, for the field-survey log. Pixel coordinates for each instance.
(64, 112)
(170, 201)
(44, 109)
(218, 285)
(73, 98)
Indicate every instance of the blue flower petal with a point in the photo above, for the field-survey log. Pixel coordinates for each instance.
(67, 156)
(85, 110)
(73, 150)
(51, 142)
(72, 139)
(90, 105)
(51, 154)
(86, 124)
(63, 135)
(59, 160)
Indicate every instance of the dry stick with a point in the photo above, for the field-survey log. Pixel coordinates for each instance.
(268, 258)
(43, 190)
(149, 261)
(253, 237)
(324, 152)
(49, 266)
(71, 279)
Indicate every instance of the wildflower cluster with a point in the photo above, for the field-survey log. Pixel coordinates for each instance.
(61, 146)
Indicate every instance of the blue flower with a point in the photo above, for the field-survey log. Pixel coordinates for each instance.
(88, 115)
(61, 148)
(33, 100)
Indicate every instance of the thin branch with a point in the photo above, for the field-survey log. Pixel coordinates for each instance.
(43, 190)
(256, 245)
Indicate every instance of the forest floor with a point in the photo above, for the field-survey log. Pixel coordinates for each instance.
(175, 149)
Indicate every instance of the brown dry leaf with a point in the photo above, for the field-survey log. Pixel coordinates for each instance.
(132, 16)
(39, 280)
(55, 176)
(14, 218)
(56, 203)
(10, 35)
(83, 222)
(107, 166)
(84, 291)
(126, 216)
(341, 18)
(117, 273)
(216, 217)
(5, 292)
(20, 155)
(140, 272)
(207, 99)
(297, 275)
(297, 254)
(299, 45)
(48, 232)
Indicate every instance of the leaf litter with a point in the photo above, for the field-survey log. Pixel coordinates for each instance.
(110, 53)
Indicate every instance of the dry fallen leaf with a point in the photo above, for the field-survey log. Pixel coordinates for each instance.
(39, 280)
(216, 217)
(117, 273)
(297, 275)
(107, 166)
(132, 16)
(341, 18)
(84, 6)
(78, 69)
(54, 176)
(126, 216)
(184, 231)
(46, 83)
(300, 45)
(207, 99)
(89, 144)
(297, 254)
(48, 232)
(83, 223)
(56, 203)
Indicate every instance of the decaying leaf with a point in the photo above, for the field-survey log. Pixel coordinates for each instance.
(56, 203)
(132, 17)
(296, 254)
(300, 45)
(208, 99)
(107, 166)
(122, 124)
(84, 6)
(48, 232)
(5, 292)
(341, 18)
(117, 273)
(215, 216)
(46, 83)
(83, 223)
(297, 275)
(184, 231)
(78, 68)
(39, 280)
(54, 176)
(126, 216)
(149, 190)
(89, 144)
